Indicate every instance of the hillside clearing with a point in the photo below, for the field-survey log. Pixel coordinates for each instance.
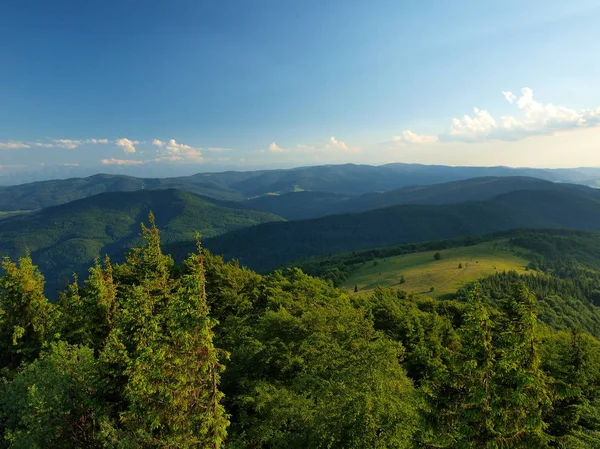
(421, 271)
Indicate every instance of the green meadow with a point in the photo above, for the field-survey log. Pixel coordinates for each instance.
(421, 271)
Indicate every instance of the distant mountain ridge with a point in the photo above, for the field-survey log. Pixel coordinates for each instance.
(346, 180)
(270, 245)
(305, 205)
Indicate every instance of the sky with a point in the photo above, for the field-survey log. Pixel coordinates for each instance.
(174, 87)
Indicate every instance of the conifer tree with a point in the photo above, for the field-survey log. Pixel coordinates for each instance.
(160, 352)
(25, 313)
(521, 385)
(475, 373)
(87, 312)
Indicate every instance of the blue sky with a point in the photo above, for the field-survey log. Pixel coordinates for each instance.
(180, 86)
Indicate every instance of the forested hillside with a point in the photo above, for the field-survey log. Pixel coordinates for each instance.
(473, 189)
(268, 246)
(297, 205)
(43, 194)
(346, 180)
(306, 204)
(544, 249)
(210, 354)
(66, 239)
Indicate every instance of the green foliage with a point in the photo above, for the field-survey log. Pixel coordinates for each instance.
(563, 303)
(26, 316)
(494, 391)
(321, 375)
(571, 362)
(55, 401)
(160, 351)
(141, 335)
(437, 256)
(133, 356)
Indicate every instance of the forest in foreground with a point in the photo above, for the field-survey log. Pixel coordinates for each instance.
(208, 354)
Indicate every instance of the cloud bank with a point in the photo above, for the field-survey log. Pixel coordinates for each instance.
(536, 118)
(173, 151)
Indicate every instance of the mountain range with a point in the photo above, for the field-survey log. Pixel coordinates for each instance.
(267, 246)
(271, 218)
(346, 180)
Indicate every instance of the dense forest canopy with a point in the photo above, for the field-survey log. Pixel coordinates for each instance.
(207, 353)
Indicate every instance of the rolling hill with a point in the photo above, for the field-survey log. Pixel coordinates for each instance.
(346, 180)
(66, 238)
(304, 205)
(473, 189)
(267, 246)
(38, 195)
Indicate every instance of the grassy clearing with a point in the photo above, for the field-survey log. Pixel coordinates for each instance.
(421, 271)
(12, 213)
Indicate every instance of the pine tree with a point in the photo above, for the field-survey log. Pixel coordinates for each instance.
(87, 312)
(521, 390)
(160, 351)
(475, 374)
(26, 315)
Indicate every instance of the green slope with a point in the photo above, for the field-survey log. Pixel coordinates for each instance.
(65, 238)
(420, 271)
(267, 246)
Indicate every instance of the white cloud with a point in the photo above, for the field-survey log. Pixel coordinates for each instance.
(103, 141)
(113, 161)
(13, 145)
(334, 143)
(173, 151)
(69, 165)
(410, 137)
(510, 97)
(69, 143)
(274, 148)
(127, 145)
(536, 118)
(468, 128)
